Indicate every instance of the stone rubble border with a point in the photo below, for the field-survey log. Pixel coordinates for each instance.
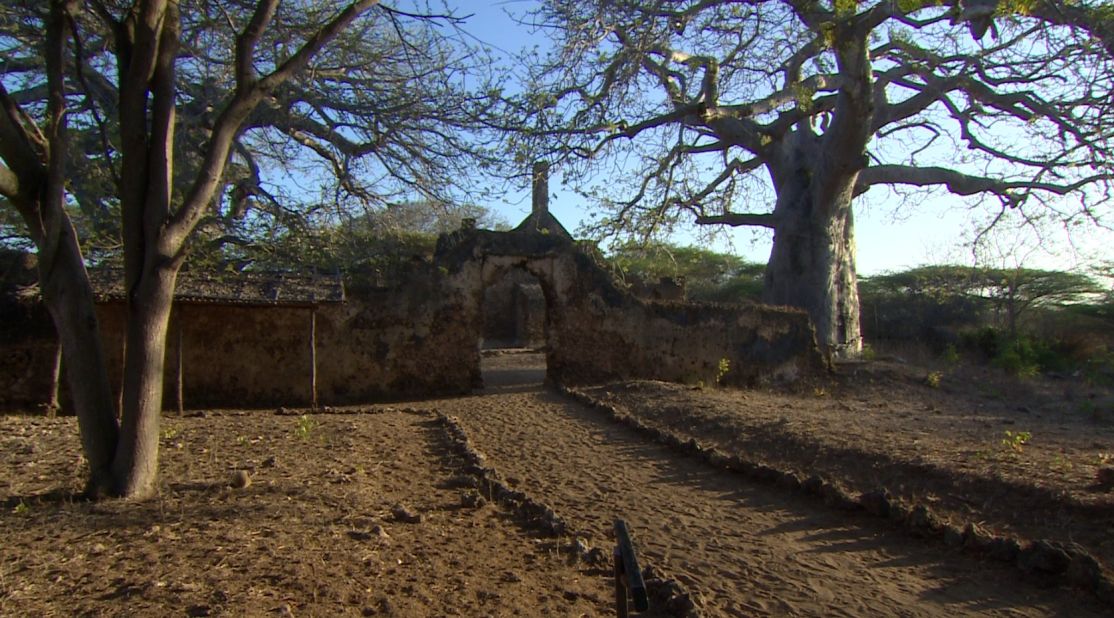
(664, 591)
(1061, 562)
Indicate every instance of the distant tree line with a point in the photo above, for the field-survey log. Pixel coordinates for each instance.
(1024, 320)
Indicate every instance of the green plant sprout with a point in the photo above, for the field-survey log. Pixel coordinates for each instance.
(722, 370)
(1016, 441)
(305, 427)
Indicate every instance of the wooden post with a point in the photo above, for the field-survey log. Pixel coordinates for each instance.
(181, 371)
(53, 405)
(313, 356)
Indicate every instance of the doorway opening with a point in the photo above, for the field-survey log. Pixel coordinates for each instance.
(514, 334)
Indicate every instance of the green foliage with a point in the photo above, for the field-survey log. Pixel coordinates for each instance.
(1016, 442)
(708, 275)
(1099, 369)
(868, 353)
(1024, 321)
(722, 369)
(951, 354)
(305, 428)
(933, 379)
(375, 248)
(1018, 360)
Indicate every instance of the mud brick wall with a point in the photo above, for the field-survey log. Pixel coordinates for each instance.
(232, 356)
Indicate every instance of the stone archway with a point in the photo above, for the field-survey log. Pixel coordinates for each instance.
(597, 331)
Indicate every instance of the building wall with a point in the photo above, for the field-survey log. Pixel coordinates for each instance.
(422, 338)
(385, 343)
(597, 331)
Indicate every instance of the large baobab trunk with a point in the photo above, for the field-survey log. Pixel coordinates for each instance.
(812, 263)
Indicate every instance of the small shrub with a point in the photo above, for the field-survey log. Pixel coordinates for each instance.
(1018, 357)
(1016, 441)
(868, 353)
(306, 426)
(722, 369)
(951, 355)
(933, 379)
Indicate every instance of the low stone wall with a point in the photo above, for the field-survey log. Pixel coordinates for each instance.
(677, 342)
(598, 331)
(422, 339)
(411, 341)
(382, 343)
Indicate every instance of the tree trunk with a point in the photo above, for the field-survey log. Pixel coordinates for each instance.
(136, 465)
(68, 297)
(812, 263)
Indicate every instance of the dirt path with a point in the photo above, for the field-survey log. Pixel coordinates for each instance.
(744, 549)
(315, 534)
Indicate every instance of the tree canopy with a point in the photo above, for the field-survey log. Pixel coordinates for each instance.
(393, 112)
(778, 113)
(708, 275)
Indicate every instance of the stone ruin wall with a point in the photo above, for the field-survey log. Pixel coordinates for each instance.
(422, 339)
(598, 331)
(604, 335)
(381, 344)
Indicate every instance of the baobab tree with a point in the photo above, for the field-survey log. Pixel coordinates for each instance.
(779, 113)
(170, 96)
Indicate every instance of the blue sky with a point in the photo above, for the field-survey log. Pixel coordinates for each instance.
(891, 236)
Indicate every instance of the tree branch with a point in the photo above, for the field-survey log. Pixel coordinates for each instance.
(736, 219)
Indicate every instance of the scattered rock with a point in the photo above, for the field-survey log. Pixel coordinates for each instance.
(597, 556)
(922, 522)
(953, 536)
(974, 537)
(1003, 549)
(461, 481)
(1104, 479)
(1043, 557)
(876, 502)
(405, 514)
(580, 547)
(472, 500)
(240, 480)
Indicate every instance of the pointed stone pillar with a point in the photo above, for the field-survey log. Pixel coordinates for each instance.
(541, 187)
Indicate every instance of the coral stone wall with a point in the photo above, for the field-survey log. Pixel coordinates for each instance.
(598, 331)
(422, 338)
(412, 341)
(232, 356)
(386, 343)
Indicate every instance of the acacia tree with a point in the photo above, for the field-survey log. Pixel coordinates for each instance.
(247, 98)
(778, 113)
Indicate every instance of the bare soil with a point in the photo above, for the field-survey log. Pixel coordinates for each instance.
(372, 511)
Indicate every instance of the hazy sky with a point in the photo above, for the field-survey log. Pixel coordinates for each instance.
(935, 229)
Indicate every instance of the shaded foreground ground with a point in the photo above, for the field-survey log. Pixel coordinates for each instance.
(366, 511)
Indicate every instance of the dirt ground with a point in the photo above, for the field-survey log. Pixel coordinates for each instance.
(372, 510)
(1029, 459)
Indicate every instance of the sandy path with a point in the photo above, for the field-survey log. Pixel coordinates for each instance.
(745, 549)
(315, 534)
